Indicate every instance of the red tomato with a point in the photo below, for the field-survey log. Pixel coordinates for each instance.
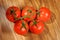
(28, 13)
(21, 27)
(44, 14)
(36, 27)
(13, 13)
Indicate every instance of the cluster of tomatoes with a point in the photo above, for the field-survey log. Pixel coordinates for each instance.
(28, 19)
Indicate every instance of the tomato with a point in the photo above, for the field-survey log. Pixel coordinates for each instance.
(13, 13)
(44, 14)
(21, 27)
(36, 27)
(28, 13)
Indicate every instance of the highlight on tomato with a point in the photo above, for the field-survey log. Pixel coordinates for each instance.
(13, 13)
(21, 27)
(29, 13)
(44, 14)
(36, 26)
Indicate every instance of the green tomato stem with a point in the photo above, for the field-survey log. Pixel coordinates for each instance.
(34, 22)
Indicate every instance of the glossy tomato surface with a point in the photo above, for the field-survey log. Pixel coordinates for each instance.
(44, 14)
(29, 13)
(21, 27)
(36, 27)
(13, 13)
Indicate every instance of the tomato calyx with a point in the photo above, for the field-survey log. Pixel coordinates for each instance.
(30, 11)
(13, 12)
(23, 25)
(38, 13)
(34, 22)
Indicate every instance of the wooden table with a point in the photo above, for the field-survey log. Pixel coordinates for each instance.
(52, 29)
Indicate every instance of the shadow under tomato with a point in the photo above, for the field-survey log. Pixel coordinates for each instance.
(52, 19)
(45, 32)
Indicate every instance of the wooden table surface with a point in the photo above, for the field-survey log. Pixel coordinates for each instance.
(52, 28)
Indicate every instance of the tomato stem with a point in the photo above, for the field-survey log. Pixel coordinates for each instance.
(26, 16)
(12, 10)
(21, 18)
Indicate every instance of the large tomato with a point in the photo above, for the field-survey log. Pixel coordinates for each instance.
(21, 27)
(36, 27)
(13, 13)
(44, 14)
(28, 13)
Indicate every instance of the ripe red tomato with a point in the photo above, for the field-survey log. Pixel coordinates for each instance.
(21, 27)
(13, 13)
(28, 13)
(36, 27)
(44, 14)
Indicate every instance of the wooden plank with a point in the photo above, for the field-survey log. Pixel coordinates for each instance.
(52, 28)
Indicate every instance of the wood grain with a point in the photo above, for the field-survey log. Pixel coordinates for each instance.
(52, 28)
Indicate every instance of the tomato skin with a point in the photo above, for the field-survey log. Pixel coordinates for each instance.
(12, 13)
(36, 28)
(19, 29)
(45, 14)
(28, 11)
